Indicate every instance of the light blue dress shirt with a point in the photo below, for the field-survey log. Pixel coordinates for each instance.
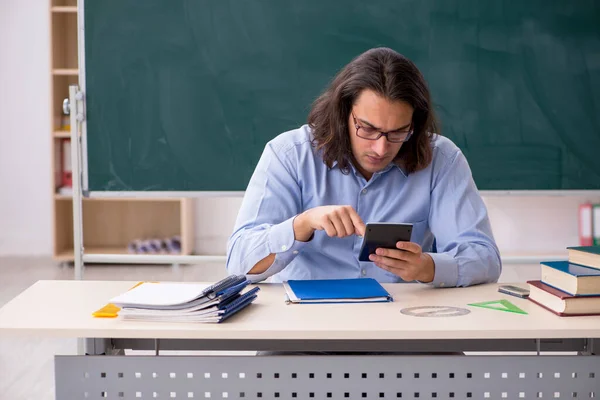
(441, 201)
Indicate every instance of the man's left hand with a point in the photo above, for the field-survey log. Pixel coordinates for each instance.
(407, 261)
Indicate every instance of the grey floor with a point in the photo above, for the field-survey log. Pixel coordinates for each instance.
(26, 365)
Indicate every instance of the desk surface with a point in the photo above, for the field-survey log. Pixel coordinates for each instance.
(63, 309)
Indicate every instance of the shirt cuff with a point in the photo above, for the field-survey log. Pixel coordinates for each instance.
(282, 243)
(446, 270)
(281, 236)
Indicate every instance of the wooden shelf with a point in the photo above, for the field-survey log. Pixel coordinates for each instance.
(63, 3)
(64, 9)
(61, 134)
(112, 223)
(58, 196)
(65, 71)
(64, 42)
(69, 255)
(60, 89)
(137, 199)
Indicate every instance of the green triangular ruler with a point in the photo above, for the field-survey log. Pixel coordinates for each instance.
(504, 305)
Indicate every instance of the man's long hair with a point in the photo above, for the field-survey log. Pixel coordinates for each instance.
(390, 75)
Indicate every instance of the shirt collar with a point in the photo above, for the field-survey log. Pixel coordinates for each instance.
(392, 165)
(386, 169)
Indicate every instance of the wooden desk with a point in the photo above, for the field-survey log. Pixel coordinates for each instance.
(63, 309)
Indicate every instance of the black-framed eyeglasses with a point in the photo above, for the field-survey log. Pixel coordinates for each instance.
(371, 133)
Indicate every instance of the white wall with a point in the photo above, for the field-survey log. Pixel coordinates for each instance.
(521, 224)
(538, 225)
(25, 188)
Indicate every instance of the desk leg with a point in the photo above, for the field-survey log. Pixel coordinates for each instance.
(97, 346)
(590, 348)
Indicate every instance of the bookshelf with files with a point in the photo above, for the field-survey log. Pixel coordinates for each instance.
(109, 224)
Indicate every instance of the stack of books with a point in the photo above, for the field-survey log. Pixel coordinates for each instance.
(571, 287)
(186, 302)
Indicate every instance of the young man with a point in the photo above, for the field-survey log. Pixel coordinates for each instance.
(370, 153)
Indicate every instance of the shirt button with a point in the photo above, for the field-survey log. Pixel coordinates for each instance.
(364, 191)
(295, 252)
(442, 284)
(284, 247)
(363, 272)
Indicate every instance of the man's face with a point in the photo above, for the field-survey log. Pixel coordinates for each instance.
(373, 111)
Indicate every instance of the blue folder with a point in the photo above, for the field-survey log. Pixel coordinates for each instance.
(361, 290)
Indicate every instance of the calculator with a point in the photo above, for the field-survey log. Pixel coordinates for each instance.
(514, 291)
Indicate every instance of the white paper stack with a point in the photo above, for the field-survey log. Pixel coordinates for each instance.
(186, 302)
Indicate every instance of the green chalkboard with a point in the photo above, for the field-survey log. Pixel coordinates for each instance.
(183, 95)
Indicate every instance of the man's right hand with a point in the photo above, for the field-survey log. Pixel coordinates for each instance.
(339, 221)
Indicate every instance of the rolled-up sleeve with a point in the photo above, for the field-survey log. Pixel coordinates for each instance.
(466, 250)
(265, 221)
